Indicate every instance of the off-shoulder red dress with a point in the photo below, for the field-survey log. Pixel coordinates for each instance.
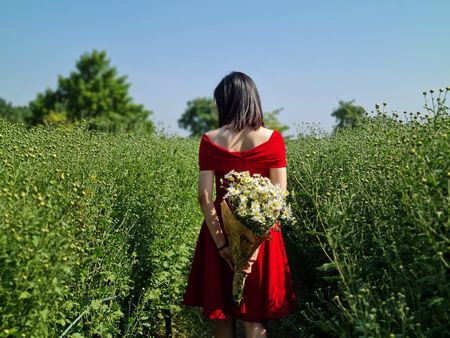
(268, 291)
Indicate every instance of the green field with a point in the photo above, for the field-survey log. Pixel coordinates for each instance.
(88, 216)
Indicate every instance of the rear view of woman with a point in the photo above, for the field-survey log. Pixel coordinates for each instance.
(241, 143)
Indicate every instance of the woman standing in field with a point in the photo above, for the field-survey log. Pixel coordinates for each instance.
(243, 144)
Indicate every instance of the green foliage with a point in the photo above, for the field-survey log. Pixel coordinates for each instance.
(348, 114)
(18, 114)
(87, 216)
(200, 116)
(271, 121)
(371, 246)
(94, 92)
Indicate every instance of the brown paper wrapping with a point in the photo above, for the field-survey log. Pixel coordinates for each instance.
(243, 243)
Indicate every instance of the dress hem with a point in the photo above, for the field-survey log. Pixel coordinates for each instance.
(242, 316)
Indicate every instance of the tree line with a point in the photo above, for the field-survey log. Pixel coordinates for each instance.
(95, 92)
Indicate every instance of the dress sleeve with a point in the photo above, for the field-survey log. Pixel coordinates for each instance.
(204, 160)
(280, 151)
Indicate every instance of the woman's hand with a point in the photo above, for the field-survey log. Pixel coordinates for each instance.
(225, 253)
(248, 268)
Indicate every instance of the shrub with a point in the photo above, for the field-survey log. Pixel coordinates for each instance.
(104, 226)
(88, 216)
(371, 248)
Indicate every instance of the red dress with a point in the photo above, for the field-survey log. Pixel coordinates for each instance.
(268, 291)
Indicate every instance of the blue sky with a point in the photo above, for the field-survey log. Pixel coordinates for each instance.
(303, 55)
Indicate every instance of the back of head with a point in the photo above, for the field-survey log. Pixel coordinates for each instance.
(238, 102)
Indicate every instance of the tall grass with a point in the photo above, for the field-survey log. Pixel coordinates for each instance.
(88, 216)
(371, 250)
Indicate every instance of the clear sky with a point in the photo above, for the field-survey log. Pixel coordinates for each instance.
(303, 55)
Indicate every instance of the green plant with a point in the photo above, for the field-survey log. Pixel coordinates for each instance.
(372, 240)
(87, 216)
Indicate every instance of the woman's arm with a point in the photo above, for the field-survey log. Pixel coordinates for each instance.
(205, 188)
(279, 176)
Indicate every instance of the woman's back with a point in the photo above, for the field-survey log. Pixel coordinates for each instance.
(243, 140)
(256, 151)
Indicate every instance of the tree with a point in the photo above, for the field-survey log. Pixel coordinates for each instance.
(201, 115)
(271, 121)
(347, 114)
(14, 113)
(94, 92)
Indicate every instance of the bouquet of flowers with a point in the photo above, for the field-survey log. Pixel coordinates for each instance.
(255, 205)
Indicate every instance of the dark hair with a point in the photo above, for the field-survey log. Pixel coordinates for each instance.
(238, 102)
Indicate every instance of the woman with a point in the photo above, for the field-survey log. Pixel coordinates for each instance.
(241, 143)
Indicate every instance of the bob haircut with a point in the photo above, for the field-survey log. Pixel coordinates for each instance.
(238, 102)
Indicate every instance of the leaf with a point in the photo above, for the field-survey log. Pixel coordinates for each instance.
(96, 304)
(435, 301)
(24, 295)
(314, 233)
(61, 321)
(44, 314)
(76, 335)
(327, 267)
(331, 278)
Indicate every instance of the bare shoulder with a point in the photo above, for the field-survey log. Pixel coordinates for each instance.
(212, 133)
(265, 131)
(263, 134)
